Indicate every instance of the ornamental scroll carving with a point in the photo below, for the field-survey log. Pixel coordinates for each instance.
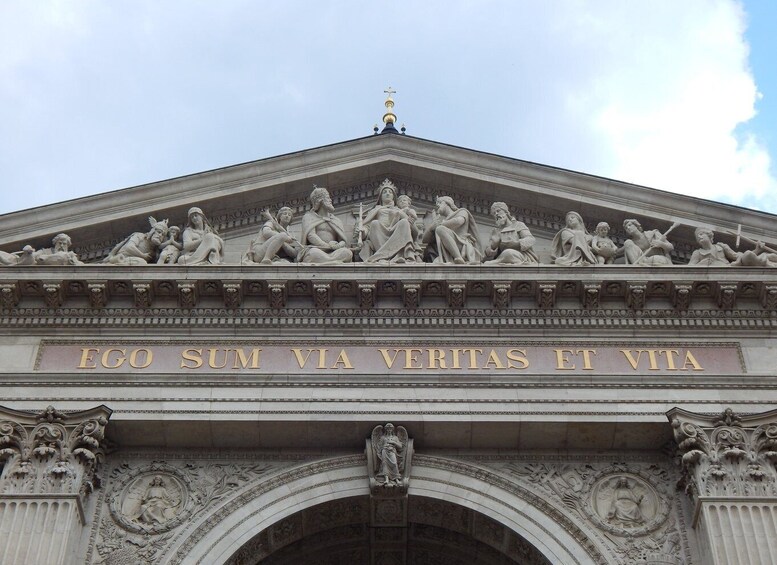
(628, 505)
(727, 455)
(52, 452)
(389, 453)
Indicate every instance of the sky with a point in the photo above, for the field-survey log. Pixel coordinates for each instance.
(97, 96)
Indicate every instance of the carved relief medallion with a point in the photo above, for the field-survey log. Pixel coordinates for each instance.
(626, 504)
(154, 500)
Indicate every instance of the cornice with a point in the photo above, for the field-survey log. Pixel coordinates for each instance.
(410, 292)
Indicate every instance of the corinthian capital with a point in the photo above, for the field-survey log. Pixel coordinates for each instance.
(727, 455)
(51, 451)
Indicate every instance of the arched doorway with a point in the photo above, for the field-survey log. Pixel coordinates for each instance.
(436, 531)
(456, 513)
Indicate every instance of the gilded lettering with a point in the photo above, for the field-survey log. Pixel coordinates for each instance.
(118, 360)
(473, 356)
(562, 361)
(193, 356)
(87, 357)
(411, 358)
(518, 355)
(456, 360)
(493, 360)
(670, 358)
(212, 352)
(437, 359)
(586, 358)
(241, 360)
(690, 359)
(343, 360)
(148, 357)
(389, 360)
(630, 358)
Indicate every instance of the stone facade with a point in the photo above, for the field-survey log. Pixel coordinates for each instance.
(490, 377)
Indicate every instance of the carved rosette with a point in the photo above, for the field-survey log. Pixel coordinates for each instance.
(727, 455)
(52, 452)
(389, 454)
(153, 499)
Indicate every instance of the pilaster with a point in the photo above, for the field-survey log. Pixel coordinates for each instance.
(729, 473)
(50, 463)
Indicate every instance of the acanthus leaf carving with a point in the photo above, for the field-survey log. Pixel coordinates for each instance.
(724, 456)
(52, 452)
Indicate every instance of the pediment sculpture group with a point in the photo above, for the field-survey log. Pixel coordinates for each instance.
(392, 232)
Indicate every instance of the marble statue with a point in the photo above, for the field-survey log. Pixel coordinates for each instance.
(416, 224)
(389, 449)
(453, 235)
(511, 241)
(712, 254)
(572, 244)
(59, 254)
(23, 257)
(274, 243)
(387, 230)
(646, 247)
(201, 244)
(761, 256)
(139, 248)
(603, 247)
(323, 236)
(170, 249)
(625, 505)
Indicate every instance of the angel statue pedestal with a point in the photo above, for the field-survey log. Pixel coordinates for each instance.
(389, 453)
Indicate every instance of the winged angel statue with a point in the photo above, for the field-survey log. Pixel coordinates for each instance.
(388, 454)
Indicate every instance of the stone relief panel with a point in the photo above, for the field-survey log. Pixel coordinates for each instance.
(155, 500)
(148, 503)
(628, 506)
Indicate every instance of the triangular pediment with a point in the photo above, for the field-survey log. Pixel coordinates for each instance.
(234, 197)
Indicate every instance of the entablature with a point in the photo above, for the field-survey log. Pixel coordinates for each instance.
(368, 287)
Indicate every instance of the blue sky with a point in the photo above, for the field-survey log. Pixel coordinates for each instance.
(97, 96)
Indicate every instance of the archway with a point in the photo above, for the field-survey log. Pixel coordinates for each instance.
(455, 510)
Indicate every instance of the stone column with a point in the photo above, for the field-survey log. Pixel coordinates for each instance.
(729, 472)
(49, 467)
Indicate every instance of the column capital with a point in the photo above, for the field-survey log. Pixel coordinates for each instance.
(52, 452)
(727, 455)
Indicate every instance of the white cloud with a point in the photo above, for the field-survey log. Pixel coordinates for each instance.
(668, 97)
(96, 96)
